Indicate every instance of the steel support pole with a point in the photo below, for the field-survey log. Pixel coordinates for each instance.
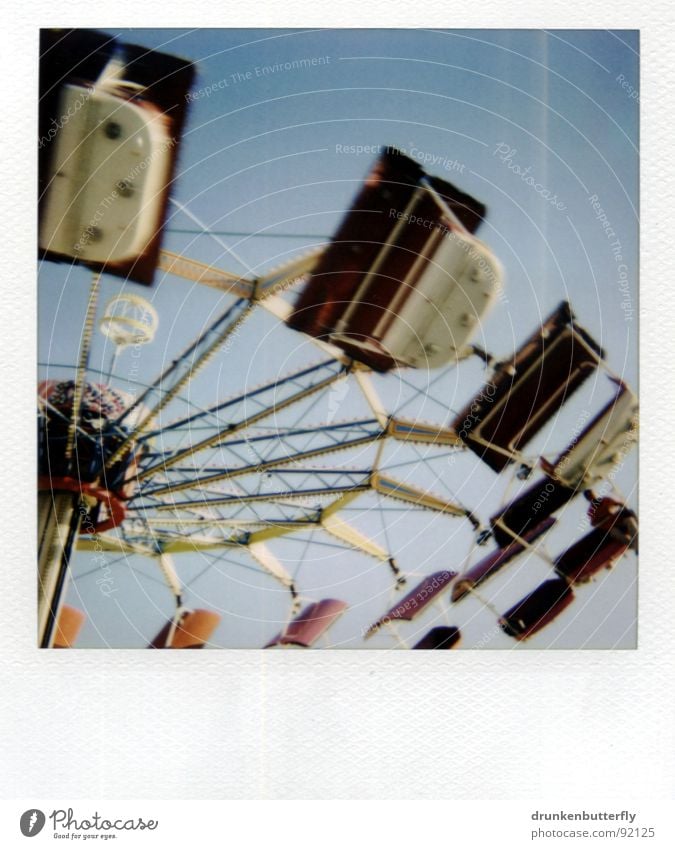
(59, 518)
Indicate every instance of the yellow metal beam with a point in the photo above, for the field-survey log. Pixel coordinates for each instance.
(408, 430)
(102, 542)
(343, 499)
(206, 275)
(355, 539)
(264, 557)
(406, 492)
(284, 276)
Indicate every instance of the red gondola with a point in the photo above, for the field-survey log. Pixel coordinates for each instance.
(192, 631)
(310, 624)
(440, 638)
(416, 601)
(81, 470)
(526, 512)
(491, 564)
(537, 609)
(70, 621)
(526, 391)
(592, 553)
(613, 517)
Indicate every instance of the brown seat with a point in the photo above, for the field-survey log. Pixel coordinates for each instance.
(596, 551)
(528, 389)
(524, 513)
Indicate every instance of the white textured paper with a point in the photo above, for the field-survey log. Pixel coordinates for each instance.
(491, 725)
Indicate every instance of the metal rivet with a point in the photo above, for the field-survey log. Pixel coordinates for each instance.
(113, 130)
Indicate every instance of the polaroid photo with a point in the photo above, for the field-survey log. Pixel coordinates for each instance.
(338, 339)
(338, 328)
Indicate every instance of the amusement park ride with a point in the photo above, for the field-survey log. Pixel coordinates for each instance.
(403, 285)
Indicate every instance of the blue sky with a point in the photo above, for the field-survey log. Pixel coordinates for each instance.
(270, 149)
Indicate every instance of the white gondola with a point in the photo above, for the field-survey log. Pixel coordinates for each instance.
(404, 281)
(110, 167)
(607, 439)
(437, 308)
